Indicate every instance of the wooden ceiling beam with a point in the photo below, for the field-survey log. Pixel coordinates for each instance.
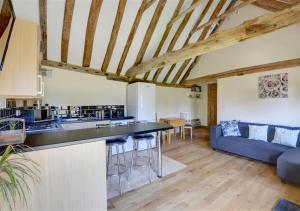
(202, 37)
(174, 40)
(271, 5)
(224, 15)
(249, 29)
(190, 68)
(90, 31)
(5, 15)
(184, 13)
(149, 3)
(156, 15)
(114, 35)
(199, 20)
(68, 15)
(187, 73)
(216, 29)
(165, 35)
(109, 76)
(137, 20)
(43, 25)
(245, 70)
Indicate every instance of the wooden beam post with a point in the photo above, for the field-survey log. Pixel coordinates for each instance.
(137, 20)
(249, 29)
(160, 6)
(90, 31)
(174, 39)
(197, 58)
(165, 35)
(114, 35)
(109, 76)
(200, 19)
(271, 5)
(245, 70)
(43, 25)
(68, 15)
(184, 13)
(202, 37)
(224, 15)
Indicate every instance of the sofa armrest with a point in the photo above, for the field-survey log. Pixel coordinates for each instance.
(215, 133)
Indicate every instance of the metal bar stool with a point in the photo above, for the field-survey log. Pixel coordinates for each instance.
(122, 168)
(137, 139)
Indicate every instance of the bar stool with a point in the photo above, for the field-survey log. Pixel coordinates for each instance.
(137, 139)
(122, 168)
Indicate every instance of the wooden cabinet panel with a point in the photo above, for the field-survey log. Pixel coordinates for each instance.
(19, 75)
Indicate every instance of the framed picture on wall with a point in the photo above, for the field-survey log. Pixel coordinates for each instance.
(273, 86)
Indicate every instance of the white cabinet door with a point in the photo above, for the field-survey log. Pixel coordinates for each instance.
(123, 122)
(73, 126)
(82, 125)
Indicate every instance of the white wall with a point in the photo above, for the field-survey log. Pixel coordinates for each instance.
(171, 101)
(238, 99)
(238, 96)
(63, 87)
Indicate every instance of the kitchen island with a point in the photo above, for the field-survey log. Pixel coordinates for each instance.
(73, 166)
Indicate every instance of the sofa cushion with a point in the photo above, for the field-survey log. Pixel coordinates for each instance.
(244, 130)
(286, 137)
(258, 132)
(230, 128)
(264, 151)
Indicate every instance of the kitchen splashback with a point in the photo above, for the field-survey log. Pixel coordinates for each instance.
(8, 112)
(84, 111)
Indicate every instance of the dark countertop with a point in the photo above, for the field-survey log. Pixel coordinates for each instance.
(47, 140)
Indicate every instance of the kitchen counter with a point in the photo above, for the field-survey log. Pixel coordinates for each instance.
(46, 140)
(73, 166)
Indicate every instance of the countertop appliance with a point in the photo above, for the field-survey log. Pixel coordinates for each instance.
(37, 115)
(141, 101)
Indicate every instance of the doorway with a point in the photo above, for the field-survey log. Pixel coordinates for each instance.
(212, 104)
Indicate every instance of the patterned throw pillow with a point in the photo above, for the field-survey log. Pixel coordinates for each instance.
(286, 137)
(230, 128)
(258, 132)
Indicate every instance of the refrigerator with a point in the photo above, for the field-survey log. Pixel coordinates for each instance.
(142, 105)
(141, 101)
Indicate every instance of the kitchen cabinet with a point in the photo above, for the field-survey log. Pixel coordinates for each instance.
(19, 76)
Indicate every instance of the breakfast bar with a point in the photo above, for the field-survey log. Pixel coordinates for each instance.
(73, 165)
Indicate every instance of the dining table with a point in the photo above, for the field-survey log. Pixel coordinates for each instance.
(175, 122)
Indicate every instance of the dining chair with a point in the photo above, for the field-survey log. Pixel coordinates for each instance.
(188, 122)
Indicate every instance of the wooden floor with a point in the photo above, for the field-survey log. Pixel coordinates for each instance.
(212, 181)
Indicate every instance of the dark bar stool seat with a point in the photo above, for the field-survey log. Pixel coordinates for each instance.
(147, 138)
(144, 136)
(122, 168)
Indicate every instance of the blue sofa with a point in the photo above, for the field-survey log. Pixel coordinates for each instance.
(264, 151)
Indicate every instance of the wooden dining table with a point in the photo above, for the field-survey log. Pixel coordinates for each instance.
(176, 123)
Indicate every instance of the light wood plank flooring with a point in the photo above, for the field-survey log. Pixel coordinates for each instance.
(212, 181)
